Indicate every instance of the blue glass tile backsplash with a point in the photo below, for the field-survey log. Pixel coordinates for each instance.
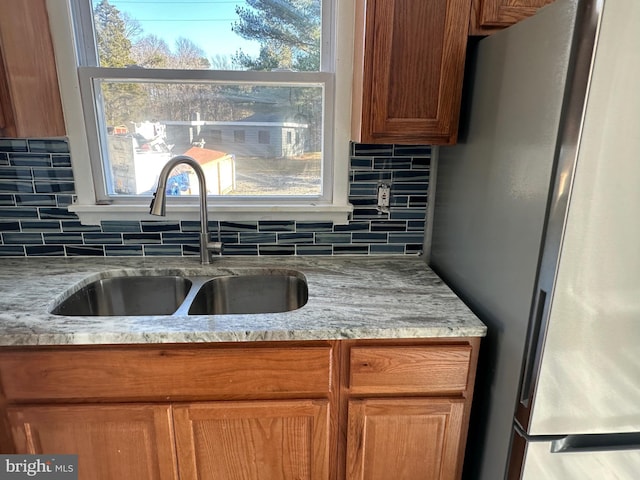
(36, 186)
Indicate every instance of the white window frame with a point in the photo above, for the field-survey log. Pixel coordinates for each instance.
(90, 203)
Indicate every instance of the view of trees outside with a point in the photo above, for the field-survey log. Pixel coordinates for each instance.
(288, 34)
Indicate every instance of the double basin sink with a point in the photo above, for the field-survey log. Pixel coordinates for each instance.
(159, 294)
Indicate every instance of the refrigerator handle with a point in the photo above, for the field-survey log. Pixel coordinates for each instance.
(533, 355)
(533, 349)
(596, 443)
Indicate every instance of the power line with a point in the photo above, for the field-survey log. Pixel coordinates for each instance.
(159, 3)
(187, 20)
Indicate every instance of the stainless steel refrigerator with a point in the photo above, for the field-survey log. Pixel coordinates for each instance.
(536, 225)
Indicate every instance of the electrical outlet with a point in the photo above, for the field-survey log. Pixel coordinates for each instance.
(384, 197)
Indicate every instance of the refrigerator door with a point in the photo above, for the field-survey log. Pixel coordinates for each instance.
(490, 209)
(589, 379)
(574, 457)
(541, 462)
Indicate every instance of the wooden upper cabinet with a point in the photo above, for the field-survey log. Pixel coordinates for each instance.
(30, 103)
(408, 70)
(488, 16)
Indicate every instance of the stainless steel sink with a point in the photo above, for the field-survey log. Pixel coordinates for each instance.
(155, 293)
(245, 294)
(135, 295)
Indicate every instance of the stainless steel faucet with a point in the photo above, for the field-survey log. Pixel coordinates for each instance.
(159, 202)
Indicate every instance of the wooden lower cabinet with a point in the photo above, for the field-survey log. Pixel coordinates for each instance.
(111, 441)
(417, 439)
(286, 440)
(407, 408)
(322, 410)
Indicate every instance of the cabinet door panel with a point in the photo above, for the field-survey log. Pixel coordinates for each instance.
(415, 439)
(267, 440)
(30, 103)
(112, 441)
(412, 60)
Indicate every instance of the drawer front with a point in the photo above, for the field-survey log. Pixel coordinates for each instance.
(170, 373)
(409, 369)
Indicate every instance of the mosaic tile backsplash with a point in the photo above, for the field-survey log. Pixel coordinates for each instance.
(36, 186)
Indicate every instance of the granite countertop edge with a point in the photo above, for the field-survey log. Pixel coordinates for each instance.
(350, 297)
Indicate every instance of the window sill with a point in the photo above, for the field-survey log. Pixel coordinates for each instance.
(94, 214)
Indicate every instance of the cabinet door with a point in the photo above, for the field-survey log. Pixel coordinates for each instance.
(496, 14)
(404, 439)
(408, 70)
(30, 103)
(112, 441)
(266, 440)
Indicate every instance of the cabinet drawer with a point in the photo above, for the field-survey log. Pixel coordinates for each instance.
(409, 369)
(165, 373)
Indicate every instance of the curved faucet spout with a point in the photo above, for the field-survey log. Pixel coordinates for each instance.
(159, 202)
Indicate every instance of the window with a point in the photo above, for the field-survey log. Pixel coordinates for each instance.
(238, 136)
(264, 137)
(153, 86)
(215, 137)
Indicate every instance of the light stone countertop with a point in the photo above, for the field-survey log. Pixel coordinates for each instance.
(349, 297)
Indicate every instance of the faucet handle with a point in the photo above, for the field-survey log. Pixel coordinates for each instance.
(214, 247)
